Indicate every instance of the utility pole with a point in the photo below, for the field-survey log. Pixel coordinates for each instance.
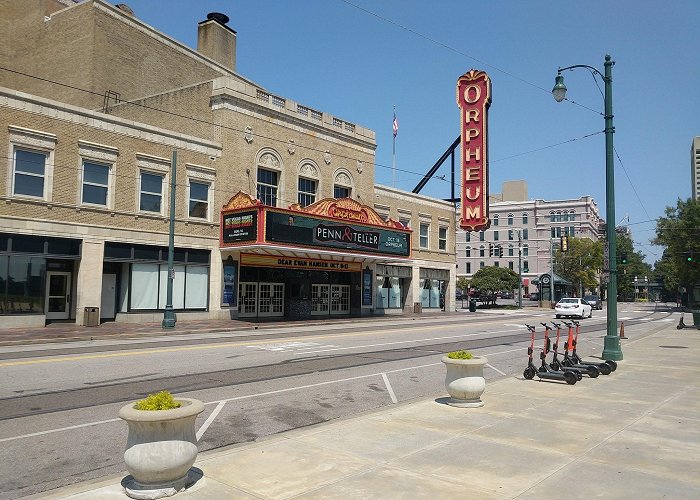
(520, 269)
(551, 273)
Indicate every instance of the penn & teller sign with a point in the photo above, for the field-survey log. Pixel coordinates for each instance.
(474, 99)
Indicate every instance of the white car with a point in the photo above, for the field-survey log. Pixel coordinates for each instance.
(573, 307)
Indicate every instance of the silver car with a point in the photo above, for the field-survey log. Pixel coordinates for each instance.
(594, 301)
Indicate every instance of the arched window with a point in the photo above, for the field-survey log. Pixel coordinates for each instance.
(268, 176)
(524, 217)
(552, 216)
(558, 217)
(342, 184)
(307, 185)
(510, 219)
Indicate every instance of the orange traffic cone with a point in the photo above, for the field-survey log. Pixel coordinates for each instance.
(622, 330)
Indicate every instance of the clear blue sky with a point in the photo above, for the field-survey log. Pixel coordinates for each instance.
(357, 65)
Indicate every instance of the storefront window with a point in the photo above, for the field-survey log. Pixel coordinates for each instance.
(430, 293)
(388, 292)
(149, 286)
(22, 284)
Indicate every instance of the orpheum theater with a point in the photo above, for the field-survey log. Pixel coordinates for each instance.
(334, 257)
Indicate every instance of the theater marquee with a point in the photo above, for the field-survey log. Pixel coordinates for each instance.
(474, 99)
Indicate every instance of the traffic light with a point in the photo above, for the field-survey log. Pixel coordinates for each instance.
(490, 250)
(623, 258)
(689, 258)
(500, 251)
(564, 243)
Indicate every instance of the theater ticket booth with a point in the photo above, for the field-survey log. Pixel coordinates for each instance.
(310, 262)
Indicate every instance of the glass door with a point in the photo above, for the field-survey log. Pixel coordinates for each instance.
(247, 299)
(319, 299)
(271, 299)
(57, 295)
(340, 299)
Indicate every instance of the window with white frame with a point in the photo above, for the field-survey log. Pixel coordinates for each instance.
(442, 238)
(525, 234)
(481, 251)
(524, 217)
(525, 251)
(95, 190)
(468, 252)
(510, 250)
(495, 220)
(469, 268)
(151, 192)
(510, 219)
(198, 200)
(307, 184)
(424, 230)
(31, 166)
(200, 189)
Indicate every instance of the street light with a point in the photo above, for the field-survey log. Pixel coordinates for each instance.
(611, 349)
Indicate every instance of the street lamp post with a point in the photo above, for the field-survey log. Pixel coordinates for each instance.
(169, 318)
(611, 349)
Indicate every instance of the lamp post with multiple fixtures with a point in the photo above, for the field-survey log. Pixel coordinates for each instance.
(611, 349)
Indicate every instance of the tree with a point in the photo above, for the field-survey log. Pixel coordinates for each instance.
(463, 284)
(490, 280)
(582, 263)
(635, 267)
(679, 232)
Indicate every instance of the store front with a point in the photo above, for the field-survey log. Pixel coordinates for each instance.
(393, 284)
(312, 262)
(433, 286)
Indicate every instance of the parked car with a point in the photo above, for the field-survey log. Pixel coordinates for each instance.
(535, 296)
(506, 295)
(573, 306)
(594, 301)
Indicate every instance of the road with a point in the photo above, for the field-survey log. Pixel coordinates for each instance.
(58, 417)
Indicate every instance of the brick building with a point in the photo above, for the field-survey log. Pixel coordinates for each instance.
(86, 192)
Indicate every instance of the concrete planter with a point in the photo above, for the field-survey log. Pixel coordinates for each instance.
(160, 449)
(465, 381)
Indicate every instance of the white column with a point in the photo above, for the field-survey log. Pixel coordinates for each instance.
(89, 289)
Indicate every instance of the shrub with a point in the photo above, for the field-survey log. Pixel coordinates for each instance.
(160, 401)
(460, 355)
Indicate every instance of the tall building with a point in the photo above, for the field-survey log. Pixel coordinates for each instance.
(96, 107)
(533, 226)
(695, 168)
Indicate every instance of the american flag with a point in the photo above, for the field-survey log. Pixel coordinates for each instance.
(395, 125)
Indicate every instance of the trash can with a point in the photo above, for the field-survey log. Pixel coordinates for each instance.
(472, 305)
(696, 317)
(417, 307)
(92, 316)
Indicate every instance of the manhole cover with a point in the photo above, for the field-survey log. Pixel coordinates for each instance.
(673, 346)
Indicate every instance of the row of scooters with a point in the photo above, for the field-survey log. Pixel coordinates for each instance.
(570, 368)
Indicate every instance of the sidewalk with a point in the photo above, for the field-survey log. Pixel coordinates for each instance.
(633, 434)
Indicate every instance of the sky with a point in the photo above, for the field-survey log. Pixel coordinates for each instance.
(360, 59)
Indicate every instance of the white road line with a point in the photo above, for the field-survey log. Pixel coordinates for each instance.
(249, 396)
(494, 368)
(208, 422)
(59, 430)
(388, 388)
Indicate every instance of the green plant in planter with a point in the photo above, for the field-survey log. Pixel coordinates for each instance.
(460, 355)
(160, 401)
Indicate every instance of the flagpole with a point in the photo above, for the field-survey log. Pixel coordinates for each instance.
(393, 153)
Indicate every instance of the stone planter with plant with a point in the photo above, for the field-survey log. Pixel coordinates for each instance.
(464, 380)
(162, 444)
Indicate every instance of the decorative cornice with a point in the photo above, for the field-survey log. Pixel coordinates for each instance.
(346, 209)
(241, 200)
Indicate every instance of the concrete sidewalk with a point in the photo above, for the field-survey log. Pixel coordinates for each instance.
(633, 434)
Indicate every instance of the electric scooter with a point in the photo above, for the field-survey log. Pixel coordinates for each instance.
(590, 370)
(531, 370)
(576, 371)
(575, 359)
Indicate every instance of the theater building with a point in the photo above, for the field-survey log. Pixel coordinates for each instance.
(276, 209)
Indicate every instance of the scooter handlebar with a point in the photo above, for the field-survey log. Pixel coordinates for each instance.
(556, 325)
(546, 326)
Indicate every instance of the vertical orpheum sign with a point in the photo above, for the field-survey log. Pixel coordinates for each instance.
(474, 99)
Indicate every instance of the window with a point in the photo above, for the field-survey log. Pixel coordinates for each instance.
(525, 233)
(510, 219)
(481, 236)
(342, 185)
(482, 265)
(199, 200)
(496, 264)
(469, 267)
(29, 173)
(149, 283)
(510, 235)
(424, 228)
(510, 250)
(495, 236)
(267, 186)
(442, 238)
(151, 193)
(467, 236)
(481, 251)
(524, 217)
(307, 191)
(526, 267)
(525, 251)
(552, 217)
(95, 183)
(468, 252)
(552, 232)
(495, 220)
(510, 265)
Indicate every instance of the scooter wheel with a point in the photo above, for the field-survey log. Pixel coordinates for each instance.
(570, 378)
(579, 376)
(554, 365)
(529, 373)
(593, 371)
(613, 364)
(604, 369)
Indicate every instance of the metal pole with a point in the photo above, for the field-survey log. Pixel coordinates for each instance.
(520, 269)
(611, 349)
(169, 314)
(551, 274)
